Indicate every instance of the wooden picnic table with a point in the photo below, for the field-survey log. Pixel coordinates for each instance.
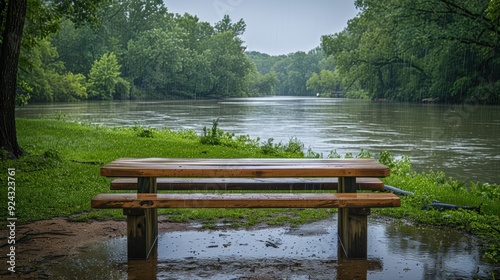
(142, 222)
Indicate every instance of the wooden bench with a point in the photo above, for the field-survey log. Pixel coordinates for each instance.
(147, 176)
(246, 200)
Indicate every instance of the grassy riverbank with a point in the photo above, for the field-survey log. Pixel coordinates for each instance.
(60, 175)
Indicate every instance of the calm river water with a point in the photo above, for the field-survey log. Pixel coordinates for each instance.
(462, 141)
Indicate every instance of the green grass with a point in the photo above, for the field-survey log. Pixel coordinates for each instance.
(60, 174)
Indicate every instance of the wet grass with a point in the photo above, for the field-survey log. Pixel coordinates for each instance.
(60, 174)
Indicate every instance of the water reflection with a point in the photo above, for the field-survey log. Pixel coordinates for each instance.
(396, 251)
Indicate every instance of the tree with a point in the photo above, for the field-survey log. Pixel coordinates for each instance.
(45, 16)
(326, 82)
(225, 25)
(294, 70)
(79, 47)
(153, 59)
(104, 78)
(45, 77)
(12, 16)
(261, 85)
(447, 50)
(228, 63)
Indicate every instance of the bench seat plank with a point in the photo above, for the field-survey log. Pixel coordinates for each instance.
(253, 200)
(225, 184)
(253, 168)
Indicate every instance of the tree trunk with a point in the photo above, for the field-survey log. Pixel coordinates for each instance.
(9, 58)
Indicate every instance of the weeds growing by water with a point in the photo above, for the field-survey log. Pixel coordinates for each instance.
(215, 136)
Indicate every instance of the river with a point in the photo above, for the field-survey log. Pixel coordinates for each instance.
(462, 141)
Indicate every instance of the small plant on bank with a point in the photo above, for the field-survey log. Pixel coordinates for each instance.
(293, 147)
(212, 136)
(312, 154)
(143, 132)
(217, 137)
(362, 154)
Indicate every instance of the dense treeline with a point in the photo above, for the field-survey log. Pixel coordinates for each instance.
(140, 50)
(435, 51)
(420, 50)
(291, 71)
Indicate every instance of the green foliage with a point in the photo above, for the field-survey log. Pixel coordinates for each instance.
(326, 82)
(104, 78)
(444, 51)
(229, 65)
(493, 11)
(362, 154)
(212, 136)
(421, 50)
(24, 91)
(78, 48)
(217, 137)
(288, 74)
(484, 190)
(262, 85)
(163, 55)
(69, 87)
(45, 78)
(334, 154)
(143, 132)
(398, 167)
(225, 25)
(312, 154)
(294, 148)
(153, 59)
(297, 73)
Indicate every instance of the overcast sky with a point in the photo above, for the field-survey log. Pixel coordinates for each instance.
(275, 26)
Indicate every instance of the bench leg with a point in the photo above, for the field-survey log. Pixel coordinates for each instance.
(352, 224)
(353, 232)
(142, 233)
(142, 225)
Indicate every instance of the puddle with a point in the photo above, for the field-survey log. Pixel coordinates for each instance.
(395, 251)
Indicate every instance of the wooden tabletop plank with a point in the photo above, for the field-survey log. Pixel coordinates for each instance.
(255, 168)
(237, 161)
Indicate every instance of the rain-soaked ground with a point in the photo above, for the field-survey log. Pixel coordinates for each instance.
(396, 251)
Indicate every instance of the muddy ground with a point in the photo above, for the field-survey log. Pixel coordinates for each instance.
(42, 241)
(43, 245)
(59, 249)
